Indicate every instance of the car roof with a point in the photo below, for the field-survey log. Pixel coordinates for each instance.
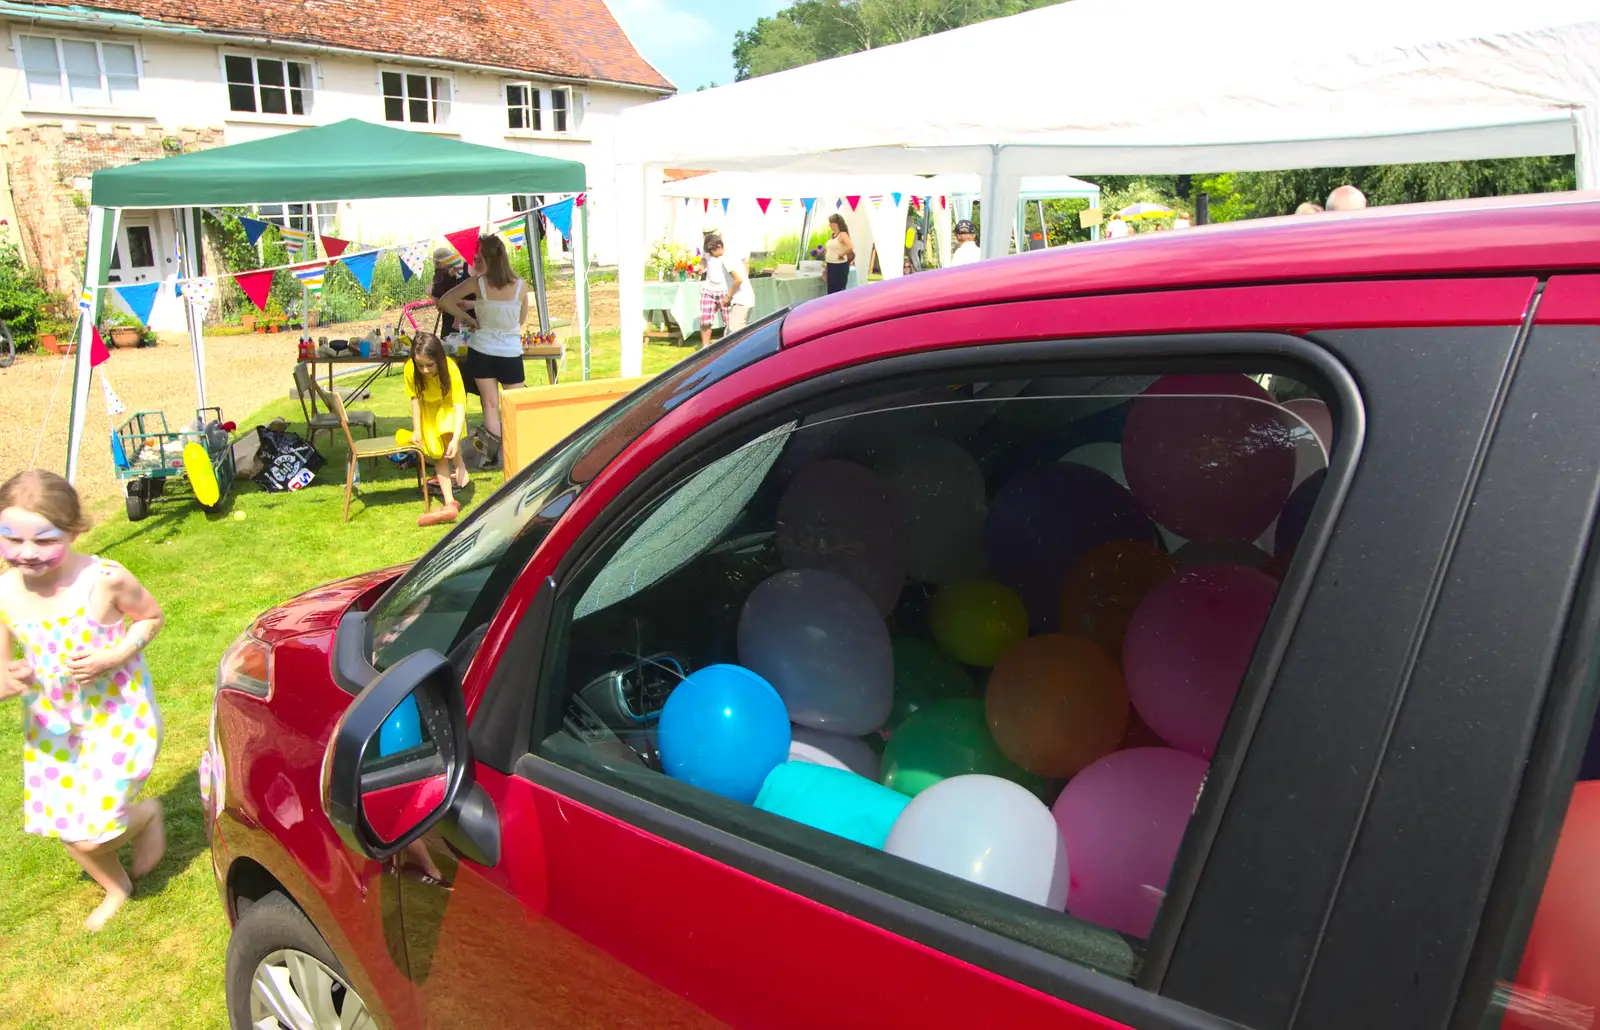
(1495, 235)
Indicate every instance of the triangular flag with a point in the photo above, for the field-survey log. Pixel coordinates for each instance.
(253, 228)
(466, 242)
(98, 355)
(944, 202)
(838, 204)
(414, 258)
(705, 205)
(113, 402)
(405, 272)
(256, 285)
(140, 298)
(333, 246)
(809, 202)
(853, 202)
(896, 197)
(763, 203)
(724, 205)
(580, 200)
(311, 276)
(515, 234)
(876, 200)
(294, 239)
(200, 293)
(560, 215)
(86, 301)
(361, 265)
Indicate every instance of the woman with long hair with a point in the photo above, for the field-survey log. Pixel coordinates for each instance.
(837, 254)
(494, 353)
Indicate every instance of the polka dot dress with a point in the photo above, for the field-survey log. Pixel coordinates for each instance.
(87, 750)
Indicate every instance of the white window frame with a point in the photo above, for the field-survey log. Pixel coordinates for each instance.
(319, 217)
(564, 121)
(431, 75)
(65, 100)
(532, 106)
(309, 89)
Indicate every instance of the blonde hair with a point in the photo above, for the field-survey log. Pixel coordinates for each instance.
(44, 492)
(1310, 207)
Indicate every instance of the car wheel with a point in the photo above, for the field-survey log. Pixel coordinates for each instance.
(281, 974)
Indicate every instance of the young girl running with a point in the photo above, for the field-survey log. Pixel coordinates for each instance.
(90, 726)
(438, 418)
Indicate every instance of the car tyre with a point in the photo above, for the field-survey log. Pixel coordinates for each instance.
(279, 966)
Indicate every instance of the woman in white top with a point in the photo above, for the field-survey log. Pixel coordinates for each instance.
(837, 254)
(494, 353)
(726, 287)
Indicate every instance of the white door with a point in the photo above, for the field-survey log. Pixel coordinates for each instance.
(139, 256)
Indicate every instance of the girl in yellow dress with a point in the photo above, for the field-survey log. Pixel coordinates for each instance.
(438, 419)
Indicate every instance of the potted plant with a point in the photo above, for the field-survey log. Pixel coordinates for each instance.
(55, 335)
(121, 329)
(248, 320)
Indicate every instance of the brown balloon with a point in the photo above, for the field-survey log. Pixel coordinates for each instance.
(1056, 704)
(1105, 587)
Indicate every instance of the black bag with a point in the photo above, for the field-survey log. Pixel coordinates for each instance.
(287, 461)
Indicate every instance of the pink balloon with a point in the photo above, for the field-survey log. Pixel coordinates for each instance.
(838, 517)
(1187, 647)
(1122, 819)
(1208, 456)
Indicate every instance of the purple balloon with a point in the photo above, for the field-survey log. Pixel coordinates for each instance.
(838, 517)
(1123, 819)
(1044, 520)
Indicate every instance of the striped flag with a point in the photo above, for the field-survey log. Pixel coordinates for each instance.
(294, 239)
(311, 275)
(515, 234)
(86, 301)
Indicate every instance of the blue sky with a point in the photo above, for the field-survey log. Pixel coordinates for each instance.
(690, 41)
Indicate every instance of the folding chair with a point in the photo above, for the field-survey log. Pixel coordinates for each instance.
(374, 449)
(325, 421)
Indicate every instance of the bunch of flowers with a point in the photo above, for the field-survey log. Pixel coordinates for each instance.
(538, 339)
(667, 257)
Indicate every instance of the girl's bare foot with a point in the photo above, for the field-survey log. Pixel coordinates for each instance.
(151, 844)
(105, 910)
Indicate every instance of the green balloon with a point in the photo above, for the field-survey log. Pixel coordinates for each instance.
(949, 738)
(924, 675)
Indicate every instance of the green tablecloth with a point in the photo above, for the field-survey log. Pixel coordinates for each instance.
(682, 300)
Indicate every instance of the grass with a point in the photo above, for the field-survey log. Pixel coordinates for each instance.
(159, 964)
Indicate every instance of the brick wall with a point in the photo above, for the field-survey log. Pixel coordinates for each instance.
(42, 162)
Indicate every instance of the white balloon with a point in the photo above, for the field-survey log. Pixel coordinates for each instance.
(941, 490)
(987, 830)
(820, 747)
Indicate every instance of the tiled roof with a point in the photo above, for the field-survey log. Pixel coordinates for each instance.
(571, 38)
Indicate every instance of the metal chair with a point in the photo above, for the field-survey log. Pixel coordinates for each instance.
(374, 449)
(325, 421)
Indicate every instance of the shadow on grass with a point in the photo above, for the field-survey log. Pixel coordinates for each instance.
(186, 832)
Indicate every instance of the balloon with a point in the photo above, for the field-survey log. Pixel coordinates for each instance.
(1297, 512)
(723, 729)
(1187, 648)
(838, 517)
(402, 730)
(941, 491)
(1042, 523)
(821, 643)
(924, 674)
(1221, 552)
(950, 738)
(989, 831)
(1208, 456)
(1055, 704)
(1314, 415)
(1560, 958)
(834, 800)
(977, 622)
(1105, 587)
(1139, 734)
(834, 750)
(1122, 820)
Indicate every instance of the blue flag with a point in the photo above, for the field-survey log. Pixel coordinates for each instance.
(361, 266)
(560, 215)
(405, 272)
(140, 298)
(896, 197)
(253, 228)
(809, 202)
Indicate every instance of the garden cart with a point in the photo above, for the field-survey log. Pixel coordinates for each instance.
(145, 453)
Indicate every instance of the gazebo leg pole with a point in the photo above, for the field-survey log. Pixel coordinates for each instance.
(580, 279)
(190, 268)
(102, 234)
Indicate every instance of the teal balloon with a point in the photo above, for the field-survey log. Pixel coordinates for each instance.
(835, 800)
(402, 730)
(924, 675)
(951, 738)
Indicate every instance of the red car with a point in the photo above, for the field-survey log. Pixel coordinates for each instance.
(1194, 630)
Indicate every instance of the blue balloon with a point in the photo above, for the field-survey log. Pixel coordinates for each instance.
(724, 729)
(402, 730)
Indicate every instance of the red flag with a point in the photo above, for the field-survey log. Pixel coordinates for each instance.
(465, 241)
(97, 348)
(705, 205)
(256, 285)
(853, 201)
(763, 202)
(333, 246)
(580, 200)
(944, 202)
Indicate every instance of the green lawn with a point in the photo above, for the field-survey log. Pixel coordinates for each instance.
(159, 964)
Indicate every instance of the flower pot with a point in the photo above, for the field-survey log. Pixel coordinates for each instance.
(313, 319)
(47, 341)
(249, 323)
(682, 276)
(125, 336)
(272, 328)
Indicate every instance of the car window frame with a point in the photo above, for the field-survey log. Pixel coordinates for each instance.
(1137, 1003)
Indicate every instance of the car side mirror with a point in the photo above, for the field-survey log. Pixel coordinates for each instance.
(399, 757)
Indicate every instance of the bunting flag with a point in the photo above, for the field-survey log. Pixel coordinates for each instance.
(838, 204)
(86, 301)
(763, 203)
(560, 216)
(896, 197)
(414, 259)
(362, 264)
(256, 285)
(200, 293)
(705, 205)
(809, 203)
(140, 298)
(515, 234)
(944, 202)
(294, 239)
(580, 200)
(333, 246)
(113, 402)
(853, 202)
(311, 275)
(724, 203)
(465, 241)
(98, 354)
(253, 228)
(405, 272)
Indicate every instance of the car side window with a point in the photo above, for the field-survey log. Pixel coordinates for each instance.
(972, 645)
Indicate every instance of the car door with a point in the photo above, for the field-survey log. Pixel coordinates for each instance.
(623, 895)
